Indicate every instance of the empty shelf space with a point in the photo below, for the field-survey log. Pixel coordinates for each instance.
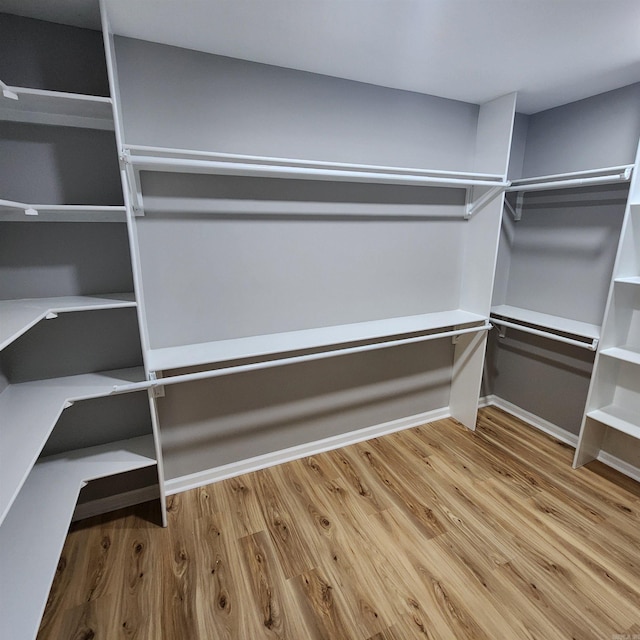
(276, 343)
(191, 161)
(626, 353)
(33, 534)
(618, 418)
(18, 316)
(29, 412)
(547, 321)
(40, 106)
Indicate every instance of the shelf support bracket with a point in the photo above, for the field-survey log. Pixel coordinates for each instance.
(516, 213)
(157, 391)
(133, 179)
(473, 206)
(51, 315)
(7, 92)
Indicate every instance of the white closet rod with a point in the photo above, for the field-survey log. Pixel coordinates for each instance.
(166, 152)
(255, 366)
(591, 346)
(623, 174)
(33, 209)
(187, 165)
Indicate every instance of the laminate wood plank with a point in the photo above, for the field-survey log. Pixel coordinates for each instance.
(434, 532)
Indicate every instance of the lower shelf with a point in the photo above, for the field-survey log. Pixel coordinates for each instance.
(618, 418)
(29, 412)
(34, 531)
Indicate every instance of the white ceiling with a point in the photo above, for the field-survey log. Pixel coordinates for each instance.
(550, 51)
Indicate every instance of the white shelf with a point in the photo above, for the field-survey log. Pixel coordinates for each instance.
(631, 280)
(554, 323)
(11, 211)
(39, 106)
(33, 534)
(18, 316)
(191, 161)
(625, 353)
(29, 412)
(618, 418)
(277, 343)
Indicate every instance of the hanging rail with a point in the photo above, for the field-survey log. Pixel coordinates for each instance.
(591, 346)
(34, 209)
(255, 366)
(575, 179)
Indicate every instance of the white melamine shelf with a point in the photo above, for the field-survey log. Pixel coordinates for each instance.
(554, 323)
(626, 353)
(144, 158)
(630, 280)
(277, 343)
(39, 106)
(18, 316)
(33, 534)
(29, 412)
(11, 211)
(618, 418)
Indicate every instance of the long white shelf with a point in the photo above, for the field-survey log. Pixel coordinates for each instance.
(630, 280)
(144, 158)
(626, 353)
(18, 316)
(29, 412)
(548, 321)
(39, 106)
(13, 211)
(276, 343)
(33, 534)
(618, 418)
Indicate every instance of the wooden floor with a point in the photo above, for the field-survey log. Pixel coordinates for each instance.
(433, 532)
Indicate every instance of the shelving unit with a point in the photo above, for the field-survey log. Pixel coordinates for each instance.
(33, 534)
(68, 263)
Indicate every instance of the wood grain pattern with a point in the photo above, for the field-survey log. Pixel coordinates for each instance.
(435, 532)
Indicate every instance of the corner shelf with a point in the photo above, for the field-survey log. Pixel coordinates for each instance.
(39, 106)
(549, 322)
(18, 316)
(30, 410)
(617, 418)
(277, 343)
(33, 534)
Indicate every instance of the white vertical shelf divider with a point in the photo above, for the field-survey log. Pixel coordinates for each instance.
(112, 73)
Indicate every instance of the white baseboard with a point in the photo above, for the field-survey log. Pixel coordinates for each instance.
(558, 432)
(194, 480)
(530, 418)
(111, 503)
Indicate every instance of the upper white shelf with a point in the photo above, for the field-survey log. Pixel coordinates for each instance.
(12, 211)
(39, 106)
(33, 534)
(606, 175)
(18, 316)
(279, 343)
(548, 321)
(29, 412)
(144, 158)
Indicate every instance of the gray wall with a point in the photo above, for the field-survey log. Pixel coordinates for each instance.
(174, 97)
(44, 55)
(600, 131)
(45, 259)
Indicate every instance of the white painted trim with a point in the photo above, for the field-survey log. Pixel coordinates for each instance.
(201, 478)
(535, 421)
(111, 503)
(619, 465)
